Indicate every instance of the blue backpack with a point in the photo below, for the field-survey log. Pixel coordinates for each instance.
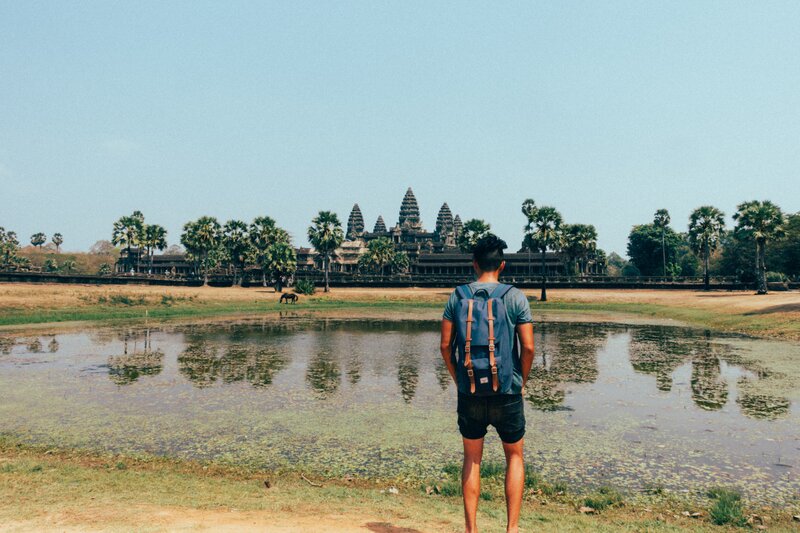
(485, 347)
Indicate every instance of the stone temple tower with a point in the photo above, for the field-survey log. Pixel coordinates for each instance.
(444, 221)
(457, 226)
(409, 211)
(355, 224)
(380, 226)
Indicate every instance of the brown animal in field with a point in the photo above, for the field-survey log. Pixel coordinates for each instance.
(289, 298)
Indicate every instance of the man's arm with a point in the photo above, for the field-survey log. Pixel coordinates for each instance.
(525, 332)
(446, 346)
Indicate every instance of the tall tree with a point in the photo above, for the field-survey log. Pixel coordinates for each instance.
(645, 248)
(661, 220)
(282, 262)
(542, 232)
(579, 244)
(8, 249)
(471, 232)
(58, 240)
(706, 225)
(202, 239)
(236, 240)
(528, 210)
(127, 232)
(263, 232)
(380, 253)
(38, 239)
(326, 235)
(764, 222)
(154, 237)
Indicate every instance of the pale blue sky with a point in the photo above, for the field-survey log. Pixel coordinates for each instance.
(606, 110)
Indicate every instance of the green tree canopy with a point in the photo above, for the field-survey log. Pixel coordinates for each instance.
(326, 235)
(645, 247)
(472, 231)
(763, 221)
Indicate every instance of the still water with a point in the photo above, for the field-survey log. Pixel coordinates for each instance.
(636, 407)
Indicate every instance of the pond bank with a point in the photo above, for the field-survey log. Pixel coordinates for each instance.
(776, 315)
(49, 490)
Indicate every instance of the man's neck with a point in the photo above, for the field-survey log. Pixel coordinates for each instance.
(488, 277)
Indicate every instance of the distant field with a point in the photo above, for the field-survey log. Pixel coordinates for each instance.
(776, 314)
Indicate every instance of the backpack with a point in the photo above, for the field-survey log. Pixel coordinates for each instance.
(485, 347)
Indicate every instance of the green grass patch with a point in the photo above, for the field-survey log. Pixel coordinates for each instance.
(603, 498)
(728, 508)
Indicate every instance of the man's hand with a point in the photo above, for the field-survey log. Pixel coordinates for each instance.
(446, 346)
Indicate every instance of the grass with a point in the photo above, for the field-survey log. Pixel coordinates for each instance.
(49, 489)
(728, 508)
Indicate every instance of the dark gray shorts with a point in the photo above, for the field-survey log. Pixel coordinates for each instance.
(506, 412)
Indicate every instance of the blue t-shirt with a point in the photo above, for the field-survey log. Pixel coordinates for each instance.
(517, 307)
(518, 311)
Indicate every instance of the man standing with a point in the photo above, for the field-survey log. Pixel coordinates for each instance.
(480, 327)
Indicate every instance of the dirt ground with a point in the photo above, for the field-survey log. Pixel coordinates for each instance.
(54, 295)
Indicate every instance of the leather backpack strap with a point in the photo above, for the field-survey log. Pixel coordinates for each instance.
(492, 362)
(467, 348)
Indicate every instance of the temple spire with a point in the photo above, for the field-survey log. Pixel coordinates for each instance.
(444, 220)
(457, 226)
(380, 226)
(355, 224)
(409, 211)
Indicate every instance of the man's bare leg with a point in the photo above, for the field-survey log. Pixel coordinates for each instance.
(471, 481)
(515, 482)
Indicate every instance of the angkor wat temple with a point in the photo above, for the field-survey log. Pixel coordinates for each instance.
(431, 253)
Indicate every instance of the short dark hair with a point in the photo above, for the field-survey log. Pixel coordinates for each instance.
(488, 252)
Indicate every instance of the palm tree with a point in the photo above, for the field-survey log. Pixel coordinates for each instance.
(528, 209)
(661, 220)
(763, 221)
(543, 232)
(706, 225)
(154, 238)
(326, 235)
(38, 239)
(202, 239)
(282, 262)
(237, 242)
(472, 231)
(58, 240)
(380, 253)
(127, 232)
(263, 232)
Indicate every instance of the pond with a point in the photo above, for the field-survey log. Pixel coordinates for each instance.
(635, 407)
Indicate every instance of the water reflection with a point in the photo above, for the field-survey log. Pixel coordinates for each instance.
(134, 362)
(336, 351)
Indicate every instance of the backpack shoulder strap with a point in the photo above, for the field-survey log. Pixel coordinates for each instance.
(500, 290)
(463, 292)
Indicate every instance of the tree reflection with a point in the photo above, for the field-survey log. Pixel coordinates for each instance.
(323, 373)
(205, 361)
(408, 375)
(569, 356)
(127, 368)
(709, 389)
(763, 406)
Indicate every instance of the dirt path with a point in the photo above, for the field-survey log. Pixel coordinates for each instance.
(150, 518)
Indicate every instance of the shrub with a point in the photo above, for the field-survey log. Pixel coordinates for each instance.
(450, 488)
(728, 507)
(304, 286)
(603, 498)
(775, 277)
(489, 469)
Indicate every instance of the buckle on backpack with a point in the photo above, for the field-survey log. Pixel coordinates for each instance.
(494, 370)
(470, 372)
(491, 346)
